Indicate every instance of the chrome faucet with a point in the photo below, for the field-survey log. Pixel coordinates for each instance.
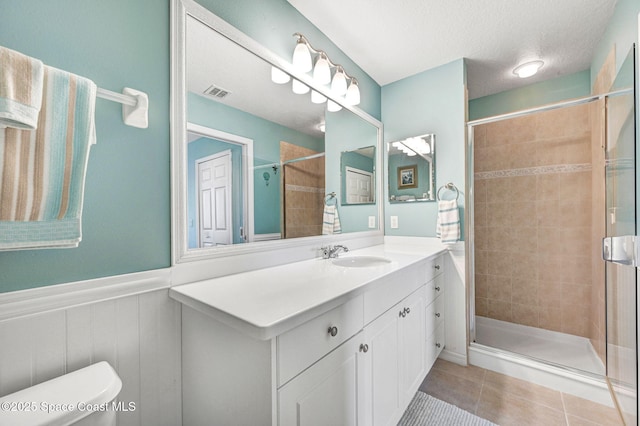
(331, 252)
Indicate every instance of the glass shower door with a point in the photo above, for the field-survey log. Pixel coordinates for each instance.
(619, 248)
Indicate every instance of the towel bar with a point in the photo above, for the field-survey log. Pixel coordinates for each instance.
(135, 105)
(451, 187)
(329, 196)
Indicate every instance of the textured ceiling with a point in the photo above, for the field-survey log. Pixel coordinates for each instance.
(391, 40)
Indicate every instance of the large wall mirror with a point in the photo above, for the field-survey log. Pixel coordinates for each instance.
(253, 162)
(412, 169)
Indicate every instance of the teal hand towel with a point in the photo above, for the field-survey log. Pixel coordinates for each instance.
(21, 80)
(42, 171)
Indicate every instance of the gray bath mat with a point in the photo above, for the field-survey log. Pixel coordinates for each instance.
(427, 410)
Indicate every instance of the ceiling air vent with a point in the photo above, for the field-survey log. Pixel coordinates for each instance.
(217, 92)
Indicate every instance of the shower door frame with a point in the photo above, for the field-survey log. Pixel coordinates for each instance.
(469, 201)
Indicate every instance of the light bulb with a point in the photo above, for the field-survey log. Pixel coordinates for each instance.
(322, 72)
(302, 57)
(299, 88)
(339, 83)
(332, 106)
(353, 93)
(317, 98)
(278, 76)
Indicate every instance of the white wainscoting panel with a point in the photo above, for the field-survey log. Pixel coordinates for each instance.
(139, 335)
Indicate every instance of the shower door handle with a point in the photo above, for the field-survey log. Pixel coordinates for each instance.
(622, 250)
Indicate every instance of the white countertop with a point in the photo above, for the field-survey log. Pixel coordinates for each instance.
(267, 302)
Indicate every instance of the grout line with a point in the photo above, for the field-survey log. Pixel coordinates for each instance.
(564, 408)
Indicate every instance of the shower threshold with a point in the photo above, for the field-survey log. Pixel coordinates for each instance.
(550, 346)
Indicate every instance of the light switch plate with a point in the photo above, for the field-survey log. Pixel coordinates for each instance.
(372, 221)
(394, 222)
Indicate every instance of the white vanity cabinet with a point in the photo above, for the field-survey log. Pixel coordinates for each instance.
(358, 363)
(394, 363)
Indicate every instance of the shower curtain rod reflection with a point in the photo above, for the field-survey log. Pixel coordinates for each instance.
(295, 160)
(573, 102)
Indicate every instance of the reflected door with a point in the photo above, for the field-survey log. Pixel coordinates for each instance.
(358, 186)
(619, 251)
(214, 199)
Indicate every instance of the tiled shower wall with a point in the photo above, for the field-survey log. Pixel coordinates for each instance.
(533, 218)
(303, 192)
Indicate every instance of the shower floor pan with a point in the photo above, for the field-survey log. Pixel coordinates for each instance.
(549, 346)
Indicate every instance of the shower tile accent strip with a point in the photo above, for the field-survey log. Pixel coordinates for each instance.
(291, 187)
(533, 171)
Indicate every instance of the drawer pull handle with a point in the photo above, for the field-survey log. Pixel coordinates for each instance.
(333, 331)
(364, 347)
(437, 314)
(437, 267)
(437, 288)
(437, 345)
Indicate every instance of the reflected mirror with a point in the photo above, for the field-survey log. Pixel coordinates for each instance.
(412, 171)
(357, 169)
(258, 159)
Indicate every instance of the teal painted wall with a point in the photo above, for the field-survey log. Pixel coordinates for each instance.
(273, 23)
(126, 215)
(205, 147)
(558, 89)
(266, 137)
(118, 43)
(429, 102)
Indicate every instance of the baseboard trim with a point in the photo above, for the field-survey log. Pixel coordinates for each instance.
(454, 357)
(35, 301)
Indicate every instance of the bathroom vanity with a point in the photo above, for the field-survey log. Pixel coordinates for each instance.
(312, 342)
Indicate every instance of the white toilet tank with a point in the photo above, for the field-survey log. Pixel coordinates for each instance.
(83, 397)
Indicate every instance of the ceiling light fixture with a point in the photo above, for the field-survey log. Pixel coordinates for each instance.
(343, 86)
(528, 69)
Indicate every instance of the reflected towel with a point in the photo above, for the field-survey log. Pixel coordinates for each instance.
(330, 220)
(42, 172)
(448, 221)
(20, 89)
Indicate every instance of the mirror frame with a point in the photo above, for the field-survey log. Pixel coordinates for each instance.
(178, 112)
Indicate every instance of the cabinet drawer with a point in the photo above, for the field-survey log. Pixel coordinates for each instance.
(435, 287)
(307, 343)
(434, 314)
(435, 344)
(391, 290)
(435, 267)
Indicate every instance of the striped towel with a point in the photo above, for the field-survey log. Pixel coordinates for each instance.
(42, 171)
(330, 220)
(20, 89)
(448, 221)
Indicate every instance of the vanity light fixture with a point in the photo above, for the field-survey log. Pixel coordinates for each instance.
(528, 69)
(342, 84)
(278, 76)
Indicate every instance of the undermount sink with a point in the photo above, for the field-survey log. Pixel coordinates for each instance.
(361, 261)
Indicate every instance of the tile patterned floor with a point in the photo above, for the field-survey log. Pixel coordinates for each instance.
(508, 401)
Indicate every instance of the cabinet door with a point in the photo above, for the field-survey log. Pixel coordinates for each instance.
(412, 344)
(381, 362)
(327, 392)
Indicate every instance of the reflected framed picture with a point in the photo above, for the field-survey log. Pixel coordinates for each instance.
(408, 177)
